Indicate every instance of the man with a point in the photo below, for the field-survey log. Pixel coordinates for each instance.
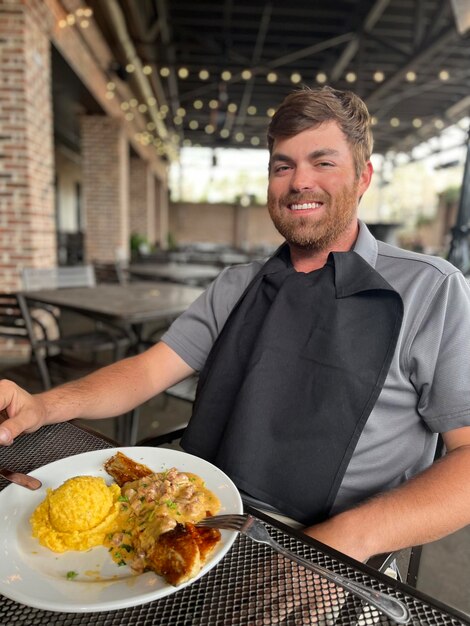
(326, 372)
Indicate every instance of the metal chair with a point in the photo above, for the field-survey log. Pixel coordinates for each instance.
(16, 324)
(47, 364)
(55, 358)
(58, 277)
(111, 272)
(102, 337)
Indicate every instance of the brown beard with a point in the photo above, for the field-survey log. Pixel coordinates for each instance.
(312, 233)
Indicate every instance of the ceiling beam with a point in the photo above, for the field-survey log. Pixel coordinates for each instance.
(146, 41)
(257, 52)
(279, 62)
(446, 38)
(353, 46)
(165, 33)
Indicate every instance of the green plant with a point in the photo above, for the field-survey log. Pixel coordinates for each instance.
(451, 195)
(172, 244)
(424, 220)
(137, 240)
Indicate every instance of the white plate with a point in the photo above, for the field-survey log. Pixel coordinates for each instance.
(35, 576)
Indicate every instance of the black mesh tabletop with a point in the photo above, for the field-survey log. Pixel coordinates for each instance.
(250, 586)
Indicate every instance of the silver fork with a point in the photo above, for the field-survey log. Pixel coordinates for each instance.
(255, 529)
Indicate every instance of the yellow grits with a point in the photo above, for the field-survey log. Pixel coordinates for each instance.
(77, 515)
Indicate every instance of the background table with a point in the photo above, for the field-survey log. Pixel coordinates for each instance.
(239, 589)
(185, 273)
(131, 305)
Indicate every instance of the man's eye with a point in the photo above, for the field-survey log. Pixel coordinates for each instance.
(326, 164)
(281, 168)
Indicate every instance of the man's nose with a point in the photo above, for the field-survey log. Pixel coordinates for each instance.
(302, 180)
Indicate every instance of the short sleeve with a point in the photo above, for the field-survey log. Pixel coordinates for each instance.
(194, 332)
(440, 357)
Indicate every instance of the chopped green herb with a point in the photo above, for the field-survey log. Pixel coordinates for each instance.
(171, 504)
(123, 499)
(121, 563)
(71, 575)
(126, 546)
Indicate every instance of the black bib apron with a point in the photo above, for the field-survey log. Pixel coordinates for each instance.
(292, 379)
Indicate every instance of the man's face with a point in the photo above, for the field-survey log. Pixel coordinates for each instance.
(313, 191)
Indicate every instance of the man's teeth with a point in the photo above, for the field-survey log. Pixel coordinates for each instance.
(306, 205)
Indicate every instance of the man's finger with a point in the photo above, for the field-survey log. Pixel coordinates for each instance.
(5, 436)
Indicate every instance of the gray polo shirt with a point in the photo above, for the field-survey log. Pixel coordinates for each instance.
(427, 390)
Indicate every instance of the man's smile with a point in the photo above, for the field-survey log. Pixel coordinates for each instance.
(304, 206)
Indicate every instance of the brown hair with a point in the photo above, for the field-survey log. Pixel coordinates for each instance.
(308, 108)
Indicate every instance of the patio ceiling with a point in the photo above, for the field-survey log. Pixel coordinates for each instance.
(408, 59)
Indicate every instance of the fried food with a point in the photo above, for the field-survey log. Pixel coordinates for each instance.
(156, 523)
(179, 554)
(123, 469)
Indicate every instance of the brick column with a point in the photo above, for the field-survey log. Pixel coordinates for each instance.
(27, 220)
(163, 214)
(142, 199)
(105, 159)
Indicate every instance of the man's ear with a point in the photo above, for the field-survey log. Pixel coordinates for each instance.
(365, 178)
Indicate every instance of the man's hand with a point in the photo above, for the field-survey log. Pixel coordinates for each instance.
(20, 412)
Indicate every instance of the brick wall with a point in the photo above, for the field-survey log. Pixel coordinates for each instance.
(105, 158)
(27, 226)
(142, 200)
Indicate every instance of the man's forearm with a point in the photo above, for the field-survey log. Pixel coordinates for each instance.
(109, 391)
(426, 508)
(117, 388)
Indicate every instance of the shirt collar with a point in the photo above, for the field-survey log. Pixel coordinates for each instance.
(366, 245)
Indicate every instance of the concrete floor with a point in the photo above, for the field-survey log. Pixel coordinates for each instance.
(445, 564)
